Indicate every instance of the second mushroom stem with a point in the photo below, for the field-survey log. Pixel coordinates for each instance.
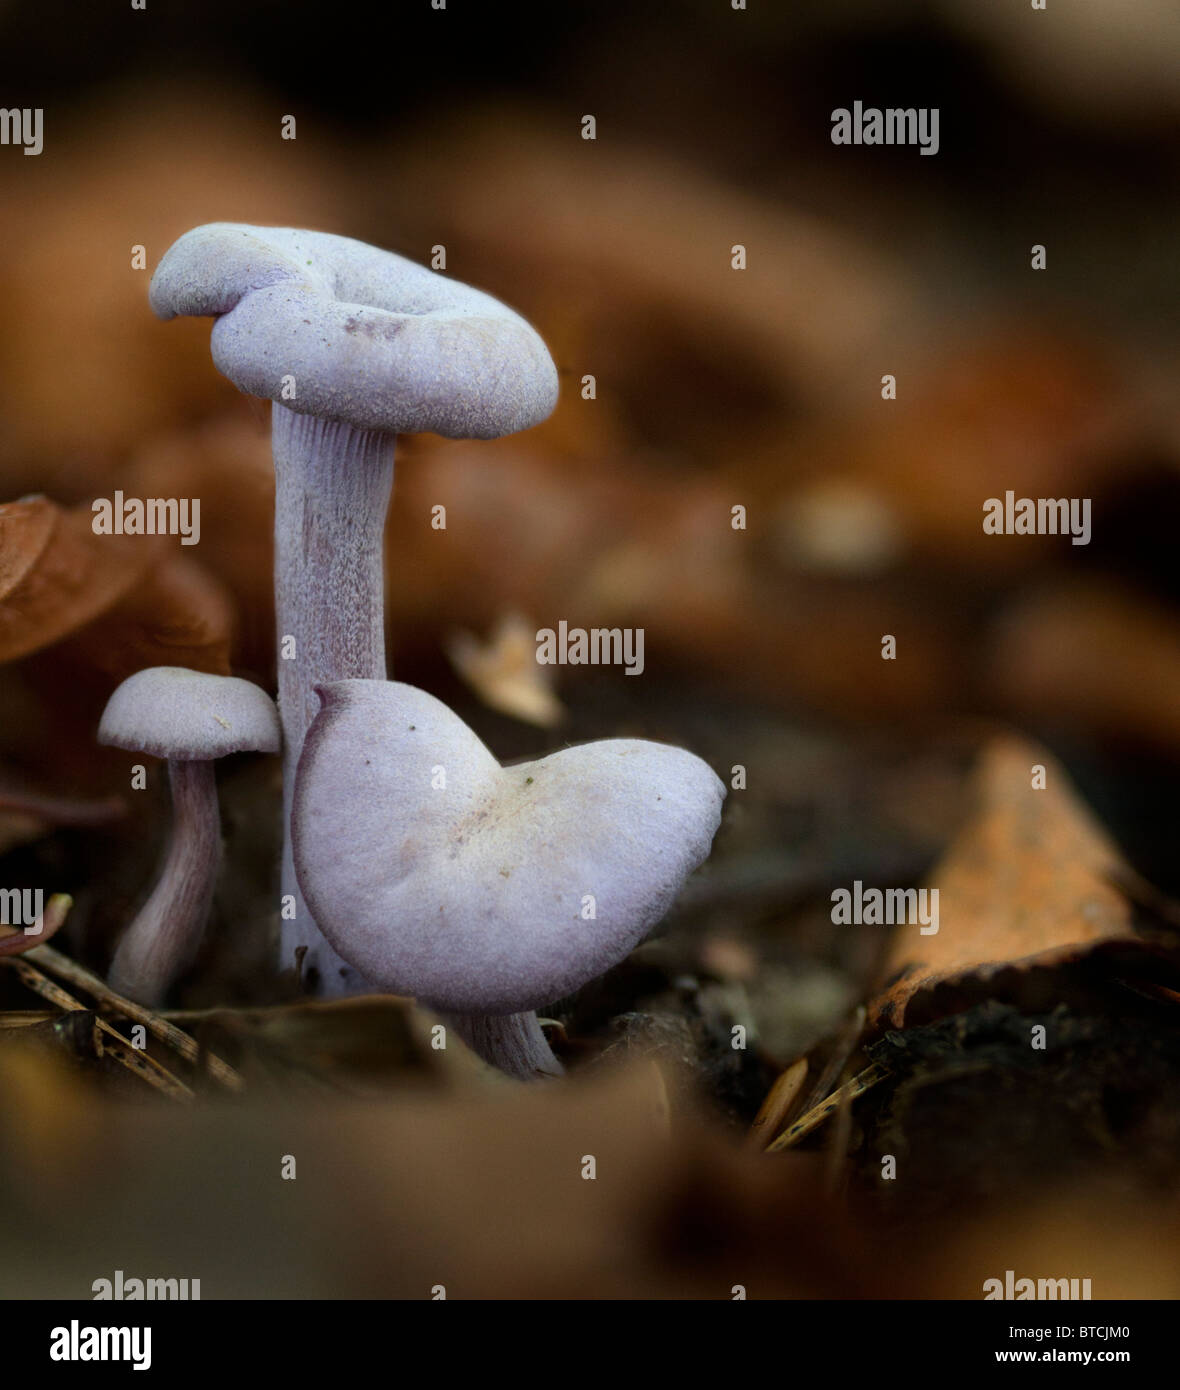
(333, 483)
(515, 1043)
(166, 930)
(332, 488)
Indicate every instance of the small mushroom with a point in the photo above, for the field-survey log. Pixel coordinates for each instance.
(189, 718)
(354, 346)
(487, 891)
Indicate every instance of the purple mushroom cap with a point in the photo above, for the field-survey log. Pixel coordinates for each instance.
(440, 874)
(370, 338)
(172, 712)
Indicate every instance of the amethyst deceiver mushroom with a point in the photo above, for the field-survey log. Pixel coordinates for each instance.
(354, 346)
(488, 891)
(191, 719)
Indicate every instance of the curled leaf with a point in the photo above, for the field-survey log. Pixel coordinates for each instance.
(56, 575)
(14, 940)
(177, 615)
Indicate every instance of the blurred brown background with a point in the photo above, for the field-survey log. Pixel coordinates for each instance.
(715, 387)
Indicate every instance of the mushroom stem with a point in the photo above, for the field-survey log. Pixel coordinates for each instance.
(167, 929)
(332, 488)
(513, 1042)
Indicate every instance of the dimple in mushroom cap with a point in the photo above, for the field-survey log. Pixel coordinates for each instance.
(172, 712)
(370, 338)
(471, 896)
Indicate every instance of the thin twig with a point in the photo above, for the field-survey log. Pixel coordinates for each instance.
(145, 1067)
(841, 1051)
(297, 1008)
(814, 1118)
(158, 1027)
(838, 1137)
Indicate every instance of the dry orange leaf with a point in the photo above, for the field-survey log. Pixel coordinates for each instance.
(1027, 881)
(56, 575)
(178, 615)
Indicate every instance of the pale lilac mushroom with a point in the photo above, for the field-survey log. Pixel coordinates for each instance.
(488, 891)
(354, 346)
(191, 719)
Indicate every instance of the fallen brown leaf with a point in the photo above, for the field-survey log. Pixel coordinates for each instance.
(571, 1191)
(177, 615)
(56, 575)
(1027, 882)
